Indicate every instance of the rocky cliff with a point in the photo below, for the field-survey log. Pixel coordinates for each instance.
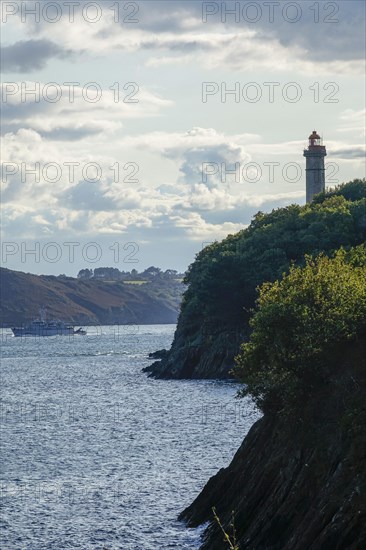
(199, 358)
(298, 481)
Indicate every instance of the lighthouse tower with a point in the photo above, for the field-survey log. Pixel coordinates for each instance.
(315, 170)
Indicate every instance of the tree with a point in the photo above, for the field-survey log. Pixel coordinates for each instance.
(85, 274)
(170, 274)
(107, 273)
(352, 191)
(151, 272)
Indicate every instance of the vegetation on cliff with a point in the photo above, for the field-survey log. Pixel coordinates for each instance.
(300, 322)
(298, 480)
(223, 280)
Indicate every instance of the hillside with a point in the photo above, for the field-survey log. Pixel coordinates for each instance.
(87, 302)
(298, 481)
(223, 280)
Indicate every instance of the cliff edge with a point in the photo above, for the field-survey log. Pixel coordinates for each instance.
(298, 481)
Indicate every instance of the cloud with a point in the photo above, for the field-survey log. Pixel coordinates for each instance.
(328, 42)
(98, 196)
(30, 55)
(70, 113)
(204, 164)
(172, 201)
(205, 154)
(350, 152)
(182, 206)
(87, 195)
(329, 31)
(353, 121)
(202, 154)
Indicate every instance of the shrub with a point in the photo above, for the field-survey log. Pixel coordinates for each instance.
(299, 320)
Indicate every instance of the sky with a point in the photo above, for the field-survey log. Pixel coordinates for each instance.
(135, 133)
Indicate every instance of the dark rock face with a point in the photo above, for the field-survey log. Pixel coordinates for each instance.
(199, 358)
(159, 354)
(298, 481)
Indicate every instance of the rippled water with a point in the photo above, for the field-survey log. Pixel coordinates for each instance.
(95, 454)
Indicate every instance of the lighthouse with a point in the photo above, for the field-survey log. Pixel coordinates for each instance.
(315, 170)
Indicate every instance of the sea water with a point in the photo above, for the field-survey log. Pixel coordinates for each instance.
(96, 455)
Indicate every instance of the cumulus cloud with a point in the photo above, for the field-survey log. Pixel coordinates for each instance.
(107, 207)
(201, 155)
(219, 159)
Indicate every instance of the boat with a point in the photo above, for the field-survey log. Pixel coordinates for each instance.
(42, 327)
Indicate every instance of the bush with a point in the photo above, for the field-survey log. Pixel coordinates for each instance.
(299, 321)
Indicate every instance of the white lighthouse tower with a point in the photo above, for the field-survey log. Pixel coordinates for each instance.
(315, 169)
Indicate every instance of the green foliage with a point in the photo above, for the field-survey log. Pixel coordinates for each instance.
(299, 321)
(352, 191)
(152, 273)
(224, 277)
